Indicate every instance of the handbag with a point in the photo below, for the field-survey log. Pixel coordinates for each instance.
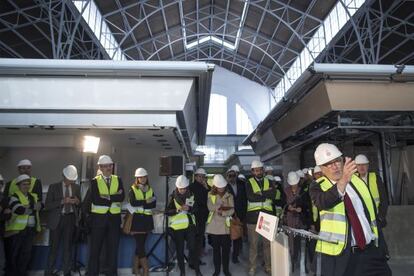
(236, 228)
(126, 228)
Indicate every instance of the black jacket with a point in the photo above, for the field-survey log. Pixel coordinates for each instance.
(251, 217)
(141, 222)
(200, 197)
(99, 220)
(240, 199)
(37, 189)
(172, 210)
(3, 217)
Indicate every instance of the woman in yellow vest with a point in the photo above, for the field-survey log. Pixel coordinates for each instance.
(142, 199)
(22, 227)
(180, 210)
(220, 203)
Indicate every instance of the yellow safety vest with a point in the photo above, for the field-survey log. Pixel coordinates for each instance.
(115, 207)
(257, 206)
(140, 195)
(334, 224)
(210, 215)
(13, 186)
(180, 221)
(19, 222)
(315, 212)
(373, 188)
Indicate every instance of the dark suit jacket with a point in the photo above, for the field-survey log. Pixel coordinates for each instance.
(240, 201)
(54, 206)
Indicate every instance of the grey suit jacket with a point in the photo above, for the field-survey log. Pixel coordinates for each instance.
(53, 204)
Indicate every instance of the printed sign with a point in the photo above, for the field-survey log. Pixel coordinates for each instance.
(267, 225)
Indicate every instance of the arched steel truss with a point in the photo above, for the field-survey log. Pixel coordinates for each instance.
(265, 58)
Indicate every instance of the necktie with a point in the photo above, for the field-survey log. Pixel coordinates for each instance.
(355, 223)
(108, 182)
(66, 208)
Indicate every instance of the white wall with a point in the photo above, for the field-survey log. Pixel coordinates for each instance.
(253, 97)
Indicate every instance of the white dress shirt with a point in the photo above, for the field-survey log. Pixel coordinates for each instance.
(70, 194)
(359, 209)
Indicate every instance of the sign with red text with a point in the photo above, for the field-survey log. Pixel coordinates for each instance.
(267, 225)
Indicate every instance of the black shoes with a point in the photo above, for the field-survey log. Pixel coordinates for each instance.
(216, 273)
(227, 273)
(235, 260)
(198, 273)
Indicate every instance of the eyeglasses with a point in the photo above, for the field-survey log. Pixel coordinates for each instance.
(336, 162)
(106, 166)
(231, 175)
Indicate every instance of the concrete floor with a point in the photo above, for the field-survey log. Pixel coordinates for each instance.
(399, 267)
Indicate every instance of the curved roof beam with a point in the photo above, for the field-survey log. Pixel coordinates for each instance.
(241, 39)
(176, 2)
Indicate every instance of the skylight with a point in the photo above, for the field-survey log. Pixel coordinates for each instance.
(94, 19)
(333, 23)
(215, 39)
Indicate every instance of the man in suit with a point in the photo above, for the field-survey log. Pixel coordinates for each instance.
(107, 194)
(237, 188)
(62, 201)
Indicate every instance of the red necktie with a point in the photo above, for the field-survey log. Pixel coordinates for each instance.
(355, 223)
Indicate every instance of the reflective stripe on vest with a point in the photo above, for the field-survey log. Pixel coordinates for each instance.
(115, 207)
(180, 221)
(210, 215)
(314, 213)
(257, 206)
(334, 225)
(13, 186)
(140, 195)
(19, 222)
(373, 188)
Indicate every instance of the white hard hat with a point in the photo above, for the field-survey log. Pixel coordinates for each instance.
(300, 173)
(24, 162)
(104, 159)
(326, 152)
(305, 171)
(219, 181)
(234, 168)
(361, 159)
(317, 169)
(70, 172)
(277, 178)
(270, 177)
(21, 178)
(256, 164)
(241, 176)
(268, 168)
(293, 178)
(1, 178)
(200, 171)
(181, 182)
(140, 172)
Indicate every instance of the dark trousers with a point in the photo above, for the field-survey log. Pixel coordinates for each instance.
(369, 262)
(200, 233)
(237, 247)
(2, 256)
(63, 233)
(221, 252)
(294, 248)
(107, 234)
(140, 244)
(18, 252)
(180, 236)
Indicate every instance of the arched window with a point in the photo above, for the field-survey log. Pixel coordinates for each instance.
(217, 115)
(243, 123)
